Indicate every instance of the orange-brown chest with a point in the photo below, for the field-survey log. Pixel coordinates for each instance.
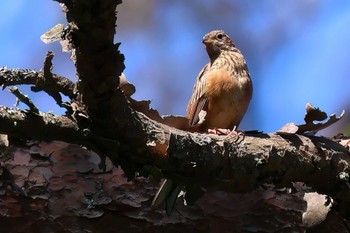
(229, 94)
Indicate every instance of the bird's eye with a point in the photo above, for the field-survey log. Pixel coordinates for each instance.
(219, 36)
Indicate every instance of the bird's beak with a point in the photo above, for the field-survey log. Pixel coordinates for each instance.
(206, 40)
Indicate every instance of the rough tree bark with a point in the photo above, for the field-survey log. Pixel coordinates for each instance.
(248, 185)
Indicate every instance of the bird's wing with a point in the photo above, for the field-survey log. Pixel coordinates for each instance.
(199, 100)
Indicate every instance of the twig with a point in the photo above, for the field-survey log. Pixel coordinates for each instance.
(58, 84)
(24, 99)
(48, 65)
(48, 80)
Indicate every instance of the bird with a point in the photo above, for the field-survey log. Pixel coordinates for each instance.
(223, 88)
(220, 98)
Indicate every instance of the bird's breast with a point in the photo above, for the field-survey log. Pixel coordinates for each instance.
(222, 82)
(229, 94)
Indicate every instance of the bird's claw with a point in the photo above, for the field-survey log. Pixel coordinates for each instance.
(235, 135)
(231, 135)
(218, 131)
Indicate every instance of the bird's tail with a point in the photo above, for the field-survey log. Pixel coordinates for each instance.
(167, 194)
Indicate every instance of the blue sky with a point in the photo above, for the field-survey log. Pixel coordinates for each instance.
(297, 51)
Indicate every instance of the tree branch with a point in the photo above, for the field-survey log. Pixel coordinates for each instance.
(23, 98)
(59, 84)
(98, 61)
(257, 159)
(242, 166)
(208, 160)
(43, 126)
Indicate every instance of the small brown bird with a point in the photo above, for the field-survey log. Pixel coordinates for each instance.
(223, 88)
(220, 98)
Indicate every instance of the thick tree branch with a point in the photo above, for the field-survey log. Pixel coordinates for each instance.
(99, 64)
(258, 158)
(208, 160)
(97, 59)
(43, 126)
(242, 165)
(47, 127)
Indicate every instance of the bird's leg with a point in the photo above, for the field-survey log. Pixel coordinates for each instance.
(234, 135)
(231, 135)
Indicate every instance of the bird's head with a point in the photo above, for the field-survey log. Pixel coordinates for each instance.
(217, 41)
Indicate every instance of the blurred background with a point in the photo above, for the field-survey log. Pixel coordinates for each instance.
(298, 51)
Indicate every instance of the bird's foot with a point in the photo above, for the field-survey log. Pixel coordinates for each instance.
(218, 131)
(231, 135)
(235, 135)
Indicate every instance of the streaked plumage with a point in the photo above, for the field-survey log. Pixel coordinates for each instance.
(223, 88)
